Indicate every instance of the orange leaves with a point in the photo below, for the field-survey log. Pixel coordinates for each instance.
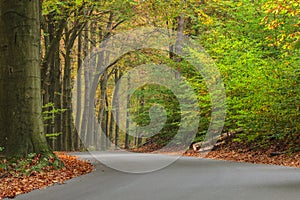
(13, 184)
(283, 18)
(240, 153)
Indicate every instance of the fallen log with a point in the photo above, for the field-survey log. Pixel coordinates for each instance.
(215, 141)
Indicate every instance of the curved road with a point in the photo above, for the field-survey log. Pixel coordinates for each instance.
(187, 178)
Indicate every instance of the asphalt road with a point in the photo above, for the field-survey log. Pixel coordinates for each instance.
(186, 179)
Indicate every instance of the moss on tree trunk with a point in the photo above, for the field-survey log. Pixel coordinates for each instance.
(21, 127)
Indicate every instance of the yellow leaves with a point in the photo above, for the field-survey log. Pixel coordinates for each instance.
(282, 18)
(204, 17)
(282, 8)
(265, 19)
(201, 13)
(209, 21)
(297, 25)
(274, 24)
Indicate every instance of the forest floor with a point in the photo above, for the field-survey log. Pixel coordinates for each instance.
(239, 152)
(14, 182)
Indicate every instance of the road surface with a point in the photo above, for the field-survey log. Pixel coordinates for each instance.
(187, 178)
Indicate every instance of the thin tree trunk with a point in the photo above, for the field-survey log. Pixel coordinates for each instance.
(111, 127)
(91, 117)
(79, 95)
(107, 124)
(102, 109)
(116, 127)
(84, 119)
(127, 142)
(57, 98)
(142, 104)
(179, 40)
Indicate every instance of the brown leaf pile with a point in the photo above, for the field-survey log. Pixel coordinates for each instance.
(237, 152)
(10, 186)
(262, 156)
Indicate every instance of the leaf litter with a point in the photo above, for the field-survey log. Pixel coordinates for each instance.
(13, 183)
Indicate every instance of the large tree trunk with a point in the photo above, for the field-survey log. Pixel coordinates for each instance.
(21, 127)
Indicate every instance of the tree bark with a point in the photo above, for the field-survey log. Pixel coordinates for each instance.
(77, 143)
(127, 141)
(21, 126)
(116, 126)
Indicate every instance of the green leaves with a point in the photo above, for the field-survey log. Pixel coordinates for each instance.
(261, 84)
(78, 2)
(51, 6)
(49, 114)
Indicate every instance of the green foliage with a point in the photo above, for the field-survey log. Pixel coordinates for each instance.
(49, 113)
(29, 165)
(261, 75)
(150, 95)
(262, 82)
(153, 95)
(53, 135)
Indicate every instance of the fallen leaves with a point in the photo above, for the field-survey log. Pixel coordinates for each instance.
(12, 185)
(237, 152)
(254, 156)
